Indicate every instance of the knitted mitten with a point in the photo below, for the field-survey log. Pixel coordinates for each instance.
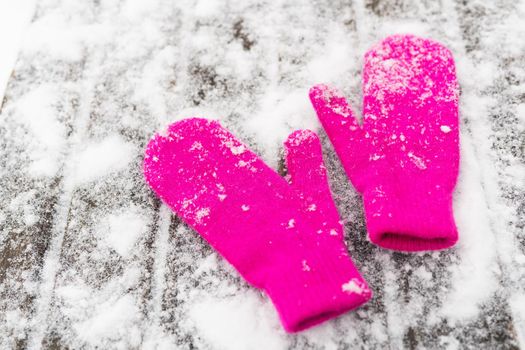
(284, 238)
(404, 157)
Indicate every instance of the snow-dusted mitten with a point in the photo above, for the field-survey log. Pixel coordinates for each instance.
(284, 238)
(404, 157)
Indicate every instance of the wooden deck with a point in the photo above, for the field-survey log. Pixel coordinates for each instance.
(89, 258)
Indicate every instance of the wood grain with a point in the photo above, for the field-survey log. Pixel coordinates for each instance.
(126, 71)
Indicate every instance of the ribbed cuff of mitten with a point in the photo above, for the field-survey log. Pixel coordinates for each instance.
(414, 220)
(315, 289)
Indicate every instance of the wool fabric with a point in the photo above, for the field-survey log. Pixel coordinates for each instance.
(283, 237)
(404, 157)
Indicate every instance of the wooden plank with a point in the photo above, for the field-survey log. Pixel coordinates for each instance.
(31, 177)
(90, 258)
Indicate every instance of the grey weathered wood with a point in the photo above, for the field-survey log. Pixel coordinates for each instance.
(117, 88)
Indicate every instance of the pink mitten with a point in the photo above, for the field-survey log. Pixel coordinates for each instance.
(283, 238)
(404, 157)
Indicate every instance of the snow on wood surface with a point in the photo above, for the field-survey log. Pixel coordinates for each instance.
(90, 258)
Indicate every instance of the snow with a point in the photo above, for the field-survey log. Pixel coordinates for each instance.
(94, 260)
(124, 229)
(280, 112)
(35, 110)
(305, 265)
(112, 320)
(517, 305)
(474, 280)
(445, 128)
(333, 59)
(14, 18)
(201, 213)
(418, 161)
(52, 35)
(253, 324)
(100, 316)
(100, 158)
(354, 286)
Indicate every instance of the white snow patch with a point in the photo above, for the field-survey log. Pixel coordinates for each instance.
(445, 128)
(196, 146)
(148, 90)
(396, 323)
(354, 286)
(379, 331)
(14, 18)
(112, 320)
(520, 259)
(415, 27)
(324, 336)
(208, 264)
(137, 9)
(201, 214)
(333, 60)
(243, 321)
(517, 307)
(35, 110)
(238, 150)
(125, 229)
(101, 158)
(52, 35)
(207, 8)
(305, 265)
(107, 313)
(418, 161)
(22, 206)
(279, 113)
(473, 280)
(15, 321)
(311, 207)
(449, 342)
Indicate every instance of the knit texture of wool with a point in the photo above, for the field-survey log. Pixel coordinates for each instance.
(283, 237)
(404, 157)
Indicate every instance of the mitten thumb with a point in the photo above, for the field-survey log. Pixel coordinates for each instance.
(343, 129)
(307, 175)
(304, 161)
